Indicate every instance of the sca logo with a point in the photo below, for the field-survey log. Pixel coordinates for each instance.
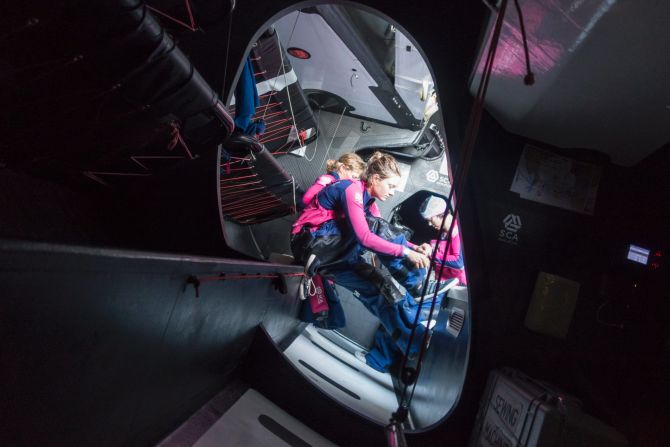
(432, 176)
(511, 227)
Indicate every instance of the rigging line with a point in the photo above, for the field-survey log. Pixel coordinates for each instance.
(283, 67)
(225, 65)
(434, 297)
(288, 90)
(274, 124)
(275, 138)
(344, 109)
(469, 142)
(468, 146)
(190, 14)
(529, 79)
(282, 60)
(271, 92)
(184, 24)
(295, 203)
(316, 140)
(285, 150)
(471, 134)
(269, 115)
(283, 146)
(276, 130)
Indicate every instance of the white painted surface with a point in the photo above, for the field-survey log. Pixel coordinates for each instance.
(602, 71)
(240, 426)
(375, 389)
(331, 67)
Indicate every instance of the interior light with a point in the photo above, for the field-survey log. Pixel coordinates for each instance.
(299, 53)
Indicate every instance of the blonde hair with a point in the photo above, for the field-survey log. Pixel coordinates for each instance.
(351, 162)
(383, 165)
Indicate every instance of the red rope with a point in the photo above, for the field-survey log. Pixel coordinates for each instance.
(275, 114)
(237, 178)
(242, 184)
(284, 146)
(235, 200)
(258, 213)
(269, 115)
(176, 137)
(190, 14)
(276, 123)
(247, 198)
(190, 27)
(229, 169)
(235, 194)
(231, 198)
(276, 131)
(245, 206)
(276, 138)
(265, 109)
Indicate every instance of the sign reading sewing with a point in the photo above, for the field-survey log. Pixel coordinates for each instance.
(509, 233)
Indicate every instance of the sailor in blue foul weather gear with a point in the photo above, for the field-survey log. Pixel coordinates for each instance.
(341, 209)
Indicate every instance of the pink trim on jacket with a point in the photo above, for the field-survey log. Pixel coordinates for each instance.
(355, 211)
(313, 216)
(353, 208)
(320, 183)
(452, 255)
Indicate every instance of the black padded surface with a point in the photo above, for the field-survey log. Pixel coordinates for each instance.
(106, 347)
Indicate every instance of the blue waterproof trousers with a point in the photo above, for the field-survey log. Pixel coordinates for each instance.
(385, 352)
(411, 278)
(391, 316)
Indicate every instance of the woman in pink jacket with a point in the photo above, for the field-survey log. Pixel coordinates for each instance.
(449, 263)
(339, 212)
(348, 166)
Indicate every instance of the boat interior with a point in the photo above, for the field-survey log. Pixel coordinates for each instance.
(153, 158)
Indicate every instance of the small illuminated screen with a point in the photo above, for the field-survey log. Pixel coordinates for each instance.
(638, 254)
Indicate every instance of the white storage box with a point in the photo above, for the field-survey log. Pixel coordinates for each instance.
(516, 410)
